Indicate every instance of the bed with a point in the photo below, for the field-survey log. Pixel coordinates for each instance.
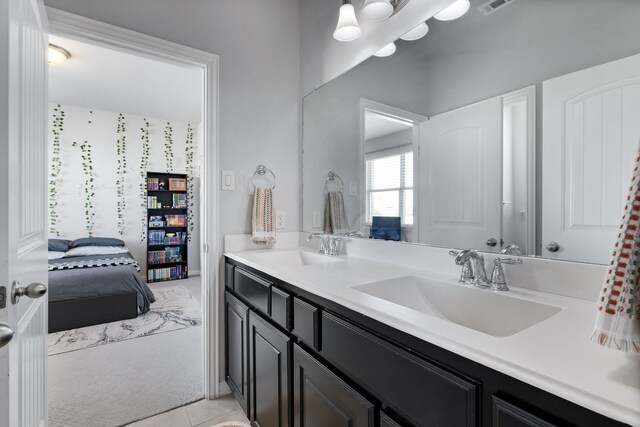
(95, 281)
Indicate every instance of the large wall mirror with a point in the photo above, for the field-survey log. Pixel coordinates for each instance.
(511, 131)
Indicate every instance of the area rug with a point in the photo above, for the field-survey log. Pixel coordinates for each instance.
(175, 308)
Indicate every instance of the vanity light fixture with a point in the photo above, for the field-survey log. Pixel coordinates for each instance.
(348, 28)
(417, 32)
(57, 55)
(377, 10)
(454, 11)
(388, 50)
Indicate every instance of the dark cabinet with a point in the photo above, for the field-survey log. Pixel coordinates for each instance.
(387, 421)
(418, 390)
(236, 316)
(253, 289)
(321, 399)
(269, 367)
(506, 414)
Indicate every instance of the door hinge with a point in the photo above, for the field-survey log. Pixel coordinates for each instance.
(3, 297)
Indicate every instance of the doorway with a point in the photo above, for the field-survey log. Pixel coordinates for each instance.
(83, 30)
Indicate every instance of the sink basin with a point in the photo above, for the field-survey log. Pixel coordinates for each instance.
(295, 258)
(479, 309)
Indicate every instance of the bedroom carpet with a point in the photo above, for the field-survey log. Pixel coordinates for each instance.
(115, 384)
(175, 308)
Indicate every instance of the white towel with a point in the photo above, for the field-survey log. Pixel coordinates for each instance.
(618, 316)
(263, 219)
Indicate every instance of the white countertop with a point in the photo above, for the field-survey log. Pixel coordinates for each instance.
(554, 355)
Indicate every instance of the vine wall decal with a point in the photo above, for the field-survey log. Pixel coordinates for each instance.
(190, 177)
(168, 146)
(56, 166)
(121, 171)
(144, 166)
(87, 169)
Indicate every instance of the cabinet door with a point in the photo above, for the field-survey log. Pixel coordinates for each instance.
(236, 343)
(321, 399)
(269, 367)
(506, 414)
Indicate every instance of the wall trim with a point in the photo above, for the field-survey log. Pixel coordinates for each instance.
(87, 30)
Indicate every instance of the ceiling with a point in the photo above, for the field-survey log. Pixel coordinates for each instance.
(107, 79)
(378, 125)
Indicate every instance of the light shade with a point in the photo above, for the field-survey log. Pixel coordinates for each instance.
(57, 55)
(388, 50)
(376, 10)
(416, 32)
(347, 28)
(454, 11)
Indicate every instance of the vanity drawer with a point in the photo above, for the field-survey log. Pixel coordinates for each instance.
(306, 322)
(228, 275)
(281, 307)
(254, 289)
(418, 390)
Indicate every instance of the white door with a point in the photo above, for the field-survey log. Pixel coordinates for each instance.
(591, 130)
(23, 196)
(461, 177)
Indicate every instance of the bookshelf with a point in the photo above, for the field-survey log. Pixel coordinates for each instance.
(167, 227)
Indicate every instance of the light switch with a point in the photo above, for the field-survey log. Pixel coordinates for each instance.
(315, 221)
(228, 181)
(353, 188)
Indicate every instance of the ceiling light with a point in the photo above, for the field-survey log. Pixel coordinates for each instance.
(416, 32)
(388, 50)
(347, 28)
(377, 10)
(454, 11)
(57, 55)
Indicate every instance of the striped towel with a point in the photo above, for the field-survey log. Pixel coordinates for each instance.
(618, 317)
(335, 218)
(263, 219)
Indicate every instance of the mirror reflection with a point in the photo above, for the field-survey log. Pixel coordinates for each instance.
(496, 132)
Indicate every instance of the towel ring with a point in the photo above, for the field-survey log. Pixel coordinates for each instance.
(262, 170)
(331, 178)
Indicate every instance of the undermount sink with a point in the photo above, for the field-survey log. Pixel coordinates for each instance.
(295, 258)
(482, 310)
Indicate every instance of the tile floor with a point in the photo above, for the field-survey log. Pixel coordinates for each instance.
(204, 413)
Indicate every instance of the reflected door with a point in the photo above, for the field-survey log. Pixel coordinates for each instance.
(461, 177)
(591, 130)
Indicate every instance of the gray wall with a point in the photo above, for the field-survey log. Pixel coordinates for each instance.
(461, 62)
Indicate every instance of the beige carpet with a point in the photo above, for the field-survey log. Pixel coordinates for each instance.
(115, 384)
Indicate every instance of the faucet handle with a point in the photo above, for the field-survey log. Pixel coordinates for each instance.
(498, 281)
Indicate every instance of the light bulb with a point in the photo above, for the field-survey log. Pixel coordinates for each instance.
(347, 28)
(57, 55)
(454, 11)
(416, 32)
(376, 10)
(388, 50)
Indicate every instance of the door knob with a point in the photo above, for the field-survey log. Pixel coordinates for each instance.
(492, 242)
(553, 247)
(6, 334)
(34, 290)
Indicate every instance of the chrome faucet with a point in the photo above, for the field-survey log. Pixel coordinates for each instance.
(328, 243)
(511, 249)
(474, 273)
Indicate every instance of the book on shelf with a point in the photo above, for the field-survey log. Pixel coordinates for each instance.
(167, 273)
(156, 221)
(180, 200)
(169, 254)
(176, 220)
(160, 237)
(156, 184)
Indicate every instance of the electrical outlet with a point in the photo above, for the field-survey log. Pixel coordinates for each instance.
(315, 221)
(353, 188)
(281, 220)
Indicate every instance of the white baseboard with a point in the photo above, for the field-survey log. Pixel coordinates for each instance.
(194, 273)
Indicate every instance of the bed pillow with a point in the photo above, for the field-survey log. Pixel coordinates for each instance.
(96, 241)
(95, 250)
(59, 245)
(56, 254)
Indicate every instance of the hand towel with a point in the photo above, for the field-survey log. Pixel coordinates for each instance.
(618, 315)
(263, 219)
(335, 217)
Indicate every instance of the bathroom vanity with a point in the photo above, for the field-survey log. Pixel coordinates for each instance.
(329, 341)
